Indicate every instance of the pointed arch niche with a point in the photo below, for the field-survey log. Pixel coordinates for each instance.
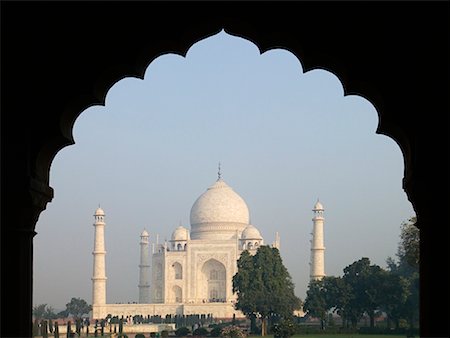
(213, 285)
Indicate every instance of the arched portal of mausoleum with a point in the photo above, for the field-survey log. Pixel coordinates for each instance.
(213, 286)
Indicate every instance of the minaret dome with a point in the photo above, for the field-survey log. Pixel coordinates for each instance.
(318, 206)
(99, 212)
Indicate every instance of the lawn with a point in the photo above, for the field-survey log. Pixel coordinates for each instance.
(338, 335)
(312, 335)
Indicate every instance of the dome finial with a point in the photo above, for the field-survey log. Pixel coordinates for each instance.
(219, 174)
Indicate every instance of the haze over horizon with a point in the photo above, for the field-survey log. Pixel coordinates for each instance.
(284, 138)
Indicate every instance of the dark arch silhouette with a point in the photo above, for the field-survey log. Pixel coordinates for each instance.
(58, 58)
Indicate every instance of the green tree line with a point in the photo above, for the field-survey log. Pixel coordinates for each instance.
(366, 288)
(76, 308)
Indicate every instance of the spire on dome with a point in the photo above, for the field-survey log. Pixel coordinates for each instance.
(219, 174)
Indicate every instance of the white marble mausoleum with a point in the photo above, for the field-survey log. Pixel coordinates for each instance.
(192, 272)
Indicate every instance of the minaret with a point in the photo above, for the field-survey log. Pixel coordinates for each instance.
(99, 274)
(317, 248)
(276, 243)
(144, 270)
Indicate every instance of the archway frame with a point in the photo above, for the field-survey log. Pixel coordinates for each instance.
(77, 72)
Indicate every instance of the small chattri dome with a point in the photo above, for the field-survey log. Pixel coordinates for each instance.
(144, 233)
(180, 234)
(250, 232)
(99, 212)
(318, 206)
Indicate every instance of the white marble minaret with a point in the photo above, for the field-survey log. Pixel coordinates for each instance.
(317, 264)
(99, 274)
(144, 270)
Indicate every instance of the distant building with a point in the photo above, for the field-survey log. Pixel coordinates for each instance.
(192, 273)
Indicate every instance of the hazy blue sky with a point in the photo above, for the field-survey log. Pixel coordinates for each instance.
(284, 138)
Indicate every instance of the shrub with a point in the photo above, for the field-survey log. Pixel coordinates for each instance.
(164, 334)
(233, 332)
(216, 332)
(182, 332)
(284, 329)
(139, 335)
(201, 331)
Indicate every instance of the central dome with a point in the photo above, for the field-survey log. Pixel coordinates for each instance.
(218, 213)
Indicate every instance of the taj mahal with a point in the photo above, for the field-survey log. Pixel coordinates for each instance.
(192, 272)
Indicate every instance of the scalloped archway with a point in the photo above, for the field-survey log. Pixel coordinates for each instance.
(50, 80)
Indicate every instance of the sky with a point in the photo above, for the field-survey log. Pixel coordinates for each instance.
(284, 138)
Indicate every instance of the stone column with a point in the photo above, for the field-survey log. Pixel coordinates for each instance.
(18, 220)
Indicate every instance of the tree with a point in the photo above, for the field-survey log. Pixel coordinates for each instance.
(315, 302)
(39, 311)
(50, 313)
(395, 296)
(365, 281)
(264, 286)
(408, 251)
(338, 295)
(409, 247)
(77, 307)
(42, 311)
(329, 293)
(242, 284)
(407, 267)
(62, 314)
